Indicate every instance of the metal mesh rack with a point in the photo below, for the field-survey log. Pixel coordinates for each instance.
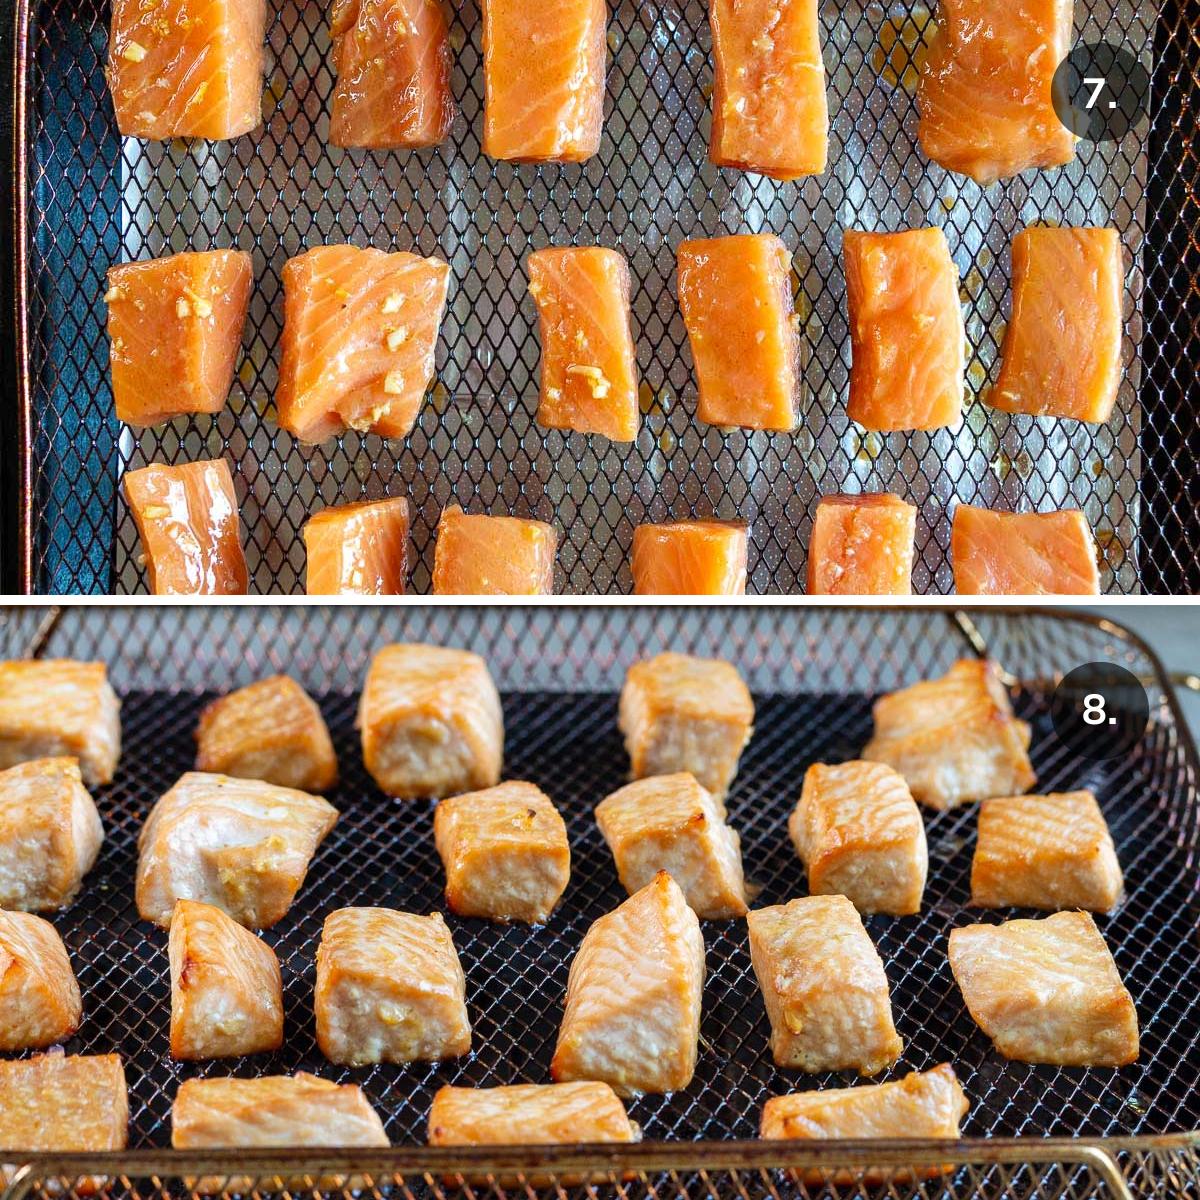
(812, 672)
(87, 199)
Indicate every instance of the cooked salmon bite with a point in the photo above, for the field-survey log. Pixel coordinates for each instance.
(40, 1003)
(505, 853)
(358, 549)
(632, 1012)
(1046, 991)
(862, 545)
(689, 558)
(480, 555)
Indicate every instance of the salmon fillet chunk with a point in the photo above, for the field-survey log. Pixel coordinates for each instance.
(1050, 852)
(479, 555)
(824, 987)
(271, 730)
(682, 713)
(505, 852)
(906, 330)
(360, 331)
(64, 1102)
(632, 1014)
(1046, 991)
(589, 364)
(1061, 355)
(390, 988)
(736, 297)
(431, 722)
(175, 331)
(40, 1003)
(862, 545)
(358, 549)
(56, 707)
(670, 823)
(955, 739)
(859, 833)
(50, 834)
(690, 558)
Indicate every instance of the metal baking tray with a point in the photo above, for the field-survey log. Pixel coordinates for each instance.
(813, 673)
(84, 199)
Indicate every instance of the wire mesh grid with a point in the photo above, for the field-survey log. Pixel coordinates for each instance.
(95, 200)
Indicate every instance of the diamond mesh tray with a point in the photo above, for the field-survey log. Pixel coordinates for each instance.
(88, 199)
(812, 672)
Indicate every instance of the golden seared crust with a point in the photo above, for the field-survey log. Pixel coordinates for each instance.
(271, 730)
(64, 1102)
(505, 852)
(39, 997)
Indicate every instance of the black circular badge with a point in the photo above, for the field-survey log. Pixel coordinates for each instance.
(1100, 711)
(1100, 91)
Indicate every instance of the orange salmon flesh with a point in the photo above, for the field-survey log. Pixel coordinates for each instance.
(493, 556)
(358, 549)
(689, 558)
(862, 546)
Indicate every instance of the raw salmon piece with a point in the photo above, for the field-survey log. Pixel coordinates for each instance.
(390, 988)
(271, 730)
(823, 984)
(1046, 991)
(239, 844)
(431, 722)
(859, 833)
(187, 68)
(543, 77)
(191, 532)
(736, 297)
(175, 328)
(505, 852)
(226, 992)
(984, 95)
(39, 998)
(955, 739)
(392, 59)
(64, 1102)
(632, 1015)
(1051, 852)
(478, 555)
(680, 713)
(689, 558)
(906, 330)
(769, 108)
(54, 707)
(360, 332)
(1062, 349)
(670, 823)
(862, 546)
(1016, 554)
(50, 835)
(358, 549)
(589, 365)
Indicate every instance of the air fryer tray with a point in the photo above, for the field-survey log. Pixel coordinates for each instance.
(89, 199)
(813, 673)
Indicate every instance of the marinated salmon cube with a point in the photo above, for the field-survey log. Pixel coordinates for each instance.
(859, 833)
(1046, 991)
(1051, 852)
(824, 987)
(906, 330)
(358, 549)
(543, 78)
(1061, 355)
(40, 1003)
(187, 68)
(670, 823)
(191, 532)
(589, 365)
(1020, 554)
(64, 1103)
(478, 555)
(769, 109)
(862, 546)
(55, 707)
(681, 713)
(955, 739)
(431, 722)
(239, 844)
(632, 1015)
(689, 558)
(376, 316)
(736, 297)
(271, 730)
(985, 88)
(392, 59)
(50, 834)
(390, 988)
(505, 853)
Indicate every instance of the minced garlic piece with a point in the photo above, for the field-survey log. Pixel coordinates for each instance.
(393, 304)
(182, 308)
(397, 338)
(393, 384)
(156, 512)
(134, 51)
(202, 306)
(113, 293)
